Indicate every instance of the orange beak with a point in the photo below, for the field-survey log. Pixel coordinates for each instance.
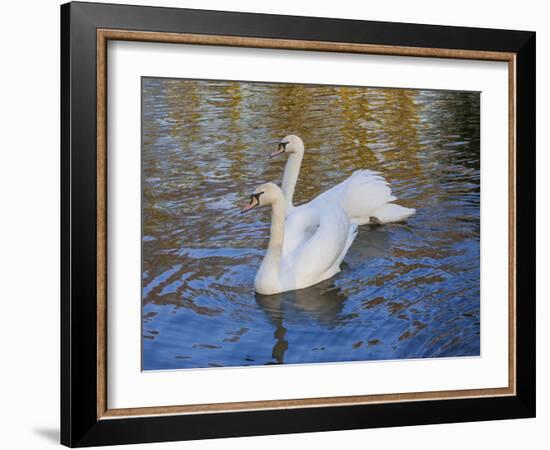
(252, 204)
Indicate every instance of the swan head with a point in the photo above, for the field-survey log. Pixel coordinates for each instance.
(290, 145)
(264, 195)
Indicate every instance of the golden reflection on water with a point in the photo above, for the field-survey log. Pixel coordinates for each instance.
(404, 289)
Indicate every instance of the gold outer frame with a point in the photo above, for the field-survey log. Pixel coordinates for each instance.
(104, 35)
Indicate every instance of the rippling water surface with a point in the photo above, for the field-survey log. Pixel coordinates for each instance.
(407, 290)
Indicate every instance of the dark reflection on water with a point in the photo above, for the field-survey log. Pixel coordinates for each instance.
(406, 290)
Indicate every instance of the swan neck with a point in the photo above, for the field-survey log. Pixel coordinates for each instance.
(290, 178)
(277, 232)
(272, 258)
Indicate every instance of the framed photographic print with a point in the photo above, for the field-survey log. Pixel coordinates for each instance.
(276, 224)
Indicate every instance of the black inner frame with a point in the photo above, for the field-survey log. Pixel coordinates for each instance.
(79, 423)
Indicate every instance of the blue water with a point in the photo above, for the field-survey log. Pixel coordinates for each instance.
(407, 290)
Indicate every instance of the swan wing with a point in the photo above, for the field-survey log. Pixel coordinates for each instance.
(300, 225)
(319, 257)
(364, 195)
(363, 190)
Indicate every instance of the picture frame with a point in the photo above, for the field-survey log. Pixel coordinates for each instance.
(86, 418)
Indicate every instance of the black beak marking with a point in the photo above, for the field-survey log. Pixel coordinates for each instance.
(252, 198)
(256, 196)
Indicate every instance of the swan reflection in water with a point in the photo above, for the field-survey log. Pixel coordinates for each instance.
(322, 303)
(315, 320)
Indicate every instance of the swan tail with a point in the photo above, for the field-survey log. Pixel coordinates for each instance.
(391, 213)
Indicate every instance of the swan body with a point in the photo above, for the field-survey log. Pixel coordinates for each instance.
(365, 196)
(316, 256)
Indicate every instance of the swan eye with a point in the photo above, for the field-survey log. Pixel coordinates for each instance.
(282, 145)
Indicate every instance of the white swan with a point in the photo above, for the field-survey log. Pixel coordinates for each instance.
(318, 255)
(365, 195)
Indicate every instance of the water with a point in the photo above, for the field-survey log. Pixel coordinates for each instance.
(407, 290)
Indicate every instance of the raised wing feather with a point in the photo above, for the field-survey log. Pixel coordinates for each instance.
(360, 195)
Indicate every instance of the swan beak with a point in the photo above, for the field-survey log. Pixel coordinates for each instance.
(252, 204)
(280, 150)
